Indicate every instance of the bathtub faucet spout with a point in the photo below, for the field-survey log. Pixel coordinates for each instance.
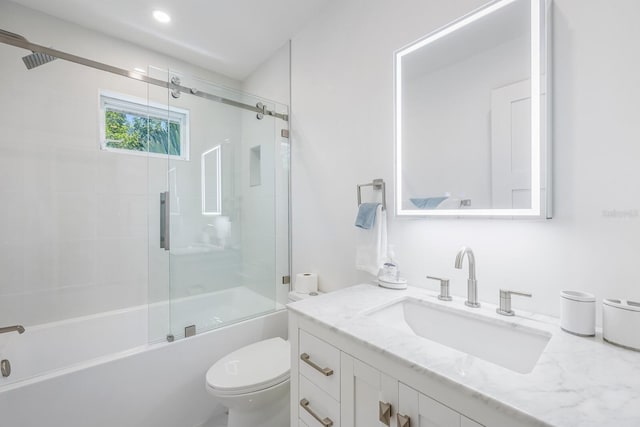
(17, 328)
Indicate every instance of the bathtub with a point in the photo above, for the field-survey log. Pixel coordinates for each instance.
(102, 370)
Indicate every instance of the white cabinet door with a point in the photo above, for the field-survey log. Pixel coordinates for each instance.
(363, 390)
(423, 411)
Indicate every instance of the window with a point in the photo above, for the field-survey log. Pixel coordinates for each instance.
(133, 125)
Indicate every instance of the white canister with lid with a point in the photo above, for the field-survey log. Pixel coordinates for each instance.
(621, 322)
(578, 313)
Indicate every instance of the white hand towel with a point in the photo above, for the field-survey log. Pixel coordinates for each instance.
(371, 245)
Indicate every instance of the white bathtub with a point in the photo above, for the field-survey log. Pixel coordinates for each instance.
(100, 370)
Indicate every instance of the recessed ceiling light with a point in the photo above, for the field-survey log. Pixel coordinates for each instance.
(161, 16)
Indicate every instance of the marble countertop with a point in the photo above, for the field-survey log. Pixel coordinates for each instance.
(577, 381)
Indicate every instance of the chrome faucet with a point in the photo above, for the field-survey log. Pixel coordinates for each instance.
(17, 328)
(472, 283)
(505, 301)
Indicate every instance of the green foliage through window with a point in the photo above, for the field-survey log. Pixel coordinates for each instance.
(131, 131)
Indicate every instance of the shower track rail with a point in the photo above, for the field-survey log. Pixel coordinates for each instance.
(16, 40)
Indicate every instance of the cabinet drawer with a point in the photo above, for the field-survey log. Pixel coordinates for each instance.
(302, 424)
(319, 361)
(317, 402)
(436, 414)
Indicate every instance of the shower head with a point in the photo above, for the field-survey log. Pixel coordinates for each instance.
(37, 59)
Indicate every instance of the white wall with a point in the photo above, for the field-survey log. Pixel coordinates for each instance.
(271, 80)
(342, 126)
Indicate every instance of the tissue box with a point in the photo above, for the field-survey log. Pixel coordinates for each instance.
(621, 323)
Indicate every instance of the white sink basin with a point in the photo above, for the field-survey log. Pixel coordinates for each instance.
(504, 343)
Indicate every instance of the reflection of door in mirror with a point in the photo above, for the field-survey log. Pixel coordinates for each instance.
(511, 145)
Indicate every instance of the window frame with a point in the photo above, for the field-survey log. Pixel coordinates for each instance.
(142, 107)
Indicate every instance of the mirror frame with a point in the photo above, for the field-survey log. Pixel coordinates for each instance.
(540, 21)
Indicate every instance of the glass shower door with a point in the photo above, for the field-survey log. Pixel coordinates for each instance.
(159, 289)
(223, 168)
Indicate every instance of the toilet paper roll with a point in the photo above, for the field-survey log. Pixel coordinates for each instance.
(306, 283)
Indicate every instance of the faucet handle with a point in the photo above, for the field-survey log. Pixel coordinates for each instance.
(505, 301)
(444, 288)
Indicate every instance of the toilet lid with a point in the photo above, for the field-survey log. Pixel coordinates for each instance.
(255, 367)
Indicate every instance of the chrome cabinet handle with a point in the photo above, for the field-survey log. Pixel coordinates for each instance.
(326, 422)
(384, 413)
(404, 420)
(324, 371)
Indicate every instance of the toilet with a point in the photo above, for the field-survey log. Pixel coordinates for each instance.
(253, 382)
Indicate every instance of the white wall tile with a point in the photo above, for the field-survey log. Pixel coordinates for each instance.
(11, 269)
(11, 162)
(76, 215)
(40, 268)
(12, 310)
(76, 263)
(12, 217)
(75, 169)
(121, 216)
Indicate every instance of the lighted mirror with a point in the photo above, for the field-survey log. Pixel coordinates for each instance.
(471, 116)
(211, 182)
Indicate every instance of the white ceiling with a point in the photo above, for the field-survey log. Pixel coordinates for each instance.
(231, 37)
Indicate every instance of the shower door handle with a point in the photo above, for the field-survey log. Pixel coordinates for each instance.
(165, 221)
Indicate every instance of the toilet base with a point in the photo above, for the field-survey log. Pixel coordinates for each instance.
(273, 415)
(264, 408)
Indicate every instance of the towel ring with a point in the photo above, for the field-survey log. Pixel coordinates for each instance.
(377, 184)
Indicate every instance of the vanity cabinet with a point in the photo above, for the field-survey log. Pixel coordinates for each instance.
(368, 395)
(332, 388)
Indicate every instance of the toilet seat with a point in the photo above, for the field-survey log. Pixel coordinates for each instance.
(255, 367)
